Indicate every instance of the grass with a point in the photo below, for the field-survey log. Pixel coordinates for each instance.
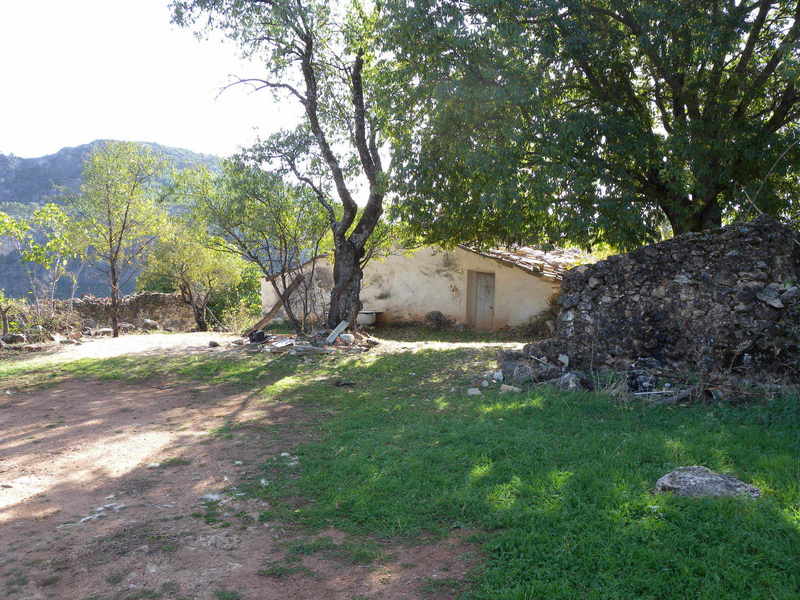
(555, 487)
(560, 482)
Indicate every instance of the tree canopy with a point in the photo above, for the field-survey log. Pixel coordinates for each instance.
(592, 120)
(321, 55)
(116, 213)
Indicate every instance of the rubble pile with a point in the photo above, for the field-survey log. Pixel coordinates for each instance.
(318, 342)
(722, 301)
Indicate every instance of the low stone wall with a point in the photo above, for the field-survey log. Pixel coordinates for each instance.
(720, 300)
(168, 309)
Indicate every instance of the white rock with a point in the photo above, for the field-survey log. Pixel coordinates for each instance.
(474, 392)
(504, 389)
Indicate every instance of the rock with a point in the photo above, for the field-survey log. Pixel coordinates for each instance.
(698, 481)
(347, 338)
(570, 382)
(104, 331)
(770, 296)
(505, 389)
(213, 344)
(127, 327)
(790, 295)
(497, 375)
(150, 325)
(564, 360)
(474, 392)
(15, 338)
(238, 342)
(484, 383)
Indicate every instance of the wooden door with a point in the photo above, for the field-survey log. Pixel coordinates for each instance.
(480, 300)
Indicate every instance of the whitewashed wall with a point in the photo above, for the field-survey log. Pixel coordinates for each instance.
(405, 287)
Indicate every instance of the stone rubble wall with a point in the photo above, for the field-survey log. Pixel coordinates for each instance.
(713, 301)
(168, 309)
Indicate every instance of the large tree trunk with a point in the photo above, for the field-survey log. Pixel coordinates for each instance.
(114, 299)
(347, 275)
(685, 217)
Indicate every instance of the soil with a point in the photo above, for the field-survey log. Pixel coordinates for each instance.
(101, 497)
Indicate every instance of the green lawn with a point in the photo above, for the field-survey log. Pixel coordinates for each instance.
(555, 487)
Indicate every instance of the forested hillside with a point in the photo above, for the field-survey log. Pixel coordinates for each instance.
(27, 183)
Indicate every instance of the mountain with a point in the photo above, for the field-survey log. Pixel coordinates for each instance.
(27, 183)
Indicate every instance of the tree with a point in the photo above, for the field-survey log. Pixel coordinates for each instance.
(592, 120)
(268, 222)
(319, 55)
(184, 261)
(45, 243)
(7, 305)
(116, 215)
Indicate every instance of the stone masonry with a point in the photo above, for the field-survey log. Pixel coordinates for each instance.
(719, 300)
(168, 309)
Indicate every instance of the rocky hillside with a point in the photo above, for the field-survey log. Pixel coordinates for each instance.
(26, 183)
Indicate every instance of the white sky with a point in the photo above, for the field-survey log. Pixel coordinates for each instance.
(79, 70)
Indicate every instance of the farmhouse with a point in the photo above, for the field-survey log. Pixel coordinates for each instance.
(481, 289)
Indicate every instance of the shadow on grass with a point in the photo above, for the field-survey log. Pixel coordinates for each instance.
(563, 482)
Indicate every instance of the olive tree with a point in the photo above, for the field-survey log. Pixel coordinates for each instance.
(321, 56)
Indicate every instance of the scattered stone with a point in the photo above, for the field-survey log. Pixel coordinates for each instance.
(126, 327)
(347, 338)
(473, 391)
(103, 331)
(484, 383)
(15, 338)
(698, 481)
(238, 342)
(211, 497)
(505, 389)
(150, 325)
(213, 344)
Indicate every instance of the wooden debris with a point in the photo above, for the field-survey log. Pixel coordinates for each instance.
(274, 310)
(336, 332)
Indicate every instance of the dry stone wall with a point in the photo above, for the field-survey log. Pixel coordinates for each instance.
(720, 300)
(167, 309)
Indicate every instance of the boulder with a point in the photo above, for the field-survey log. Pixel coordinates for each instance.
(213, 344)
(104, 331)
(697, 481)
(15, 338)
(348, 339)
(150, 325)
(127, 327)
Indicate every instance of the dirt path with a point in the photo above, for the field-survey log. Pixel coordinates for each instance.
(102, 490)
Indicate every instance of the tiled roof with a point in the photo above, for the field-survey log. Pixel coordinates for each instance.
(538, 262)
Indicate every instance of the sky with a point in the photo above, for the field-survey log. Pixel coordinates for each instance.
(79, 70)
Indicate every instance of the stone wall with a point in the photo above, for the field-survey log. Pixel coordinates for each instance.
(720, 300)
(168, 309)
